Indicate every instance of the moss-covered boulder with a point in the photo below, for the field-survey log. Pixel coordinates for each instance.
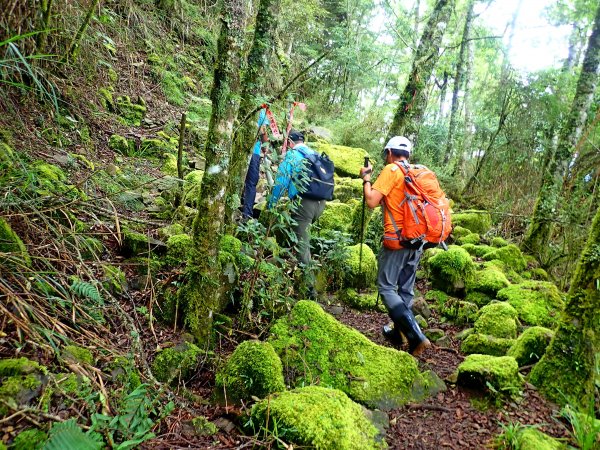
(360, 274)
(531, 345)
(500, 373)
(347, 188)
(178, 248)
(477, 221)
(510, 255)
(451, 270)
(471, 238)
(336, 216)
(231, 244)
(489, 280)
(170, 230)
(192, 184)
(537, 302)
(458, 311)
(478, 298)
(11, 243)
(131, 113)
(486, 345)
(497, 319)
(121, 145)
(460, 232)
(253, 369)
(347, 160)
(499, 242)
(176, 363)
(135, 244)
(315, 348)
(530, 438)
(78, 355)
(19, 390)
(361, 301)
(537, 273)
(317, 417)
(477, 250)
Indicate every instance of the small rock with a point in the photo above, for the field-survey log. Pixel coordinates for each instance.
(225, 424)
(434, 334)
(444, 342)
(336, 310)
(421, 321)
(420, 307)
(464, 333)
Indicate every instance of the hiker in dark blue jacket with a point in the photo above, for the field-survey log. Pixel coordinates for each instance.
(253, 174)
(308, 210)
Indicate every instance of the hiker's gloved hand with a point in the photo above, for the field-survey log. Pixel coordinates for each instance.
(365, 172)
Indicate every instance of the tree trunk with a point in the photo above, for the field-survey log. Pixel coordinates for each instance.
(413, 100)
(253, 89)
(459, 81)
(202, 294)
(74, 46)
(538, 234)
(439, 115)
(459, 167)
(567, 370)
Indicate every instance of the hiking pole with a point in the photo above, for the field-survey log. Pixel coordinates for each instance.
(362, 230)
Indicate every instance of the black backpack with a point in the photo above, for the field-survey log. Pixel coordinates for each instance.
(321, 170)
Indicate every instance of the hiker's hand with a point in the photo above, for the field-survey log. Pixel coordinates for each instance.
(365, 172)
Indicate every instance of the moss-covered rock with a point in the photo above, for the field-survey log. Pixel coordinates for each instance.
(458, 311)
(11, 243)
(19, 366)
(486, 345)
(316, 348)
(105, 97)
(471, 238)
(169, 166)
(317, 417)
(132, 113)
(347, 188)
(176, 363)
(204, 427)
(477, 221)
(537, 273)
(336, 216)
(360, 274)
(451, 270)
(348, 160)
(500, 373)
(510, 255)
(170, 230)
(254, 369)
(135, 244)
(121, 145)
(499, 242)
(497, 319)
(178, 248)
(230, 244)
(478, 298)
(531, 345)
(18, 390)
(361, 301)
(460, 232)
(533, 439)
(489, 280)
(192, 183)
(156, 147)
(76, 354)
(537, 302)
(477, 250)
(30, 439)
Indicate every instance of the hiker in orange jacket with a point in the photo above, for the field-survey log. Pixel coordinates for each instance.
(397, 265)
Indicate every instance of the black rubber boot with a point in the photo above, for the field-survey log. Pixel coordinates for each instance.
(404, 321)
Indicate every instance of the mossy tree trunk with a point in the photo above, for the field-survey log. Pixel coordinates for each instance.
(413, 100)
(540, 229)
(74, 45)
(254, 83)
(567, 371)
(202, 292)
(459, 82)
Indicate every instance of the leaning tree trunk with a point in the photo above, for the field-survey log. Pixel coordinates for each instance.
(202, 294)
(459, 81)
(253, 87)
(413, 99)
(566, 373)
(459, 166)
(540, 229)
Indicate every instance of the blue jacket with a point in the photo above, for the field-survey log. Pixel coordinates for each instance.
(289, 171)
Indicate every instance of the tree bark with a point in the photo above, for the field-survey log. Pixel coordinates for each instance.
(259, 60)
(74, 46)
(413, 100)
(566, 373)
(459, 81)
(540, 229)
(202, 293)
(459, 167)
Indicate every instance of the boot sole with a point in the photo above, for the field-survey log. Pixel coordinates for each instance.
(421, 347)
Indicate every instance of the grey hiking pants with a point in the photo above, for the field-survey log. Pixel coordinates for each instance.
(397, 270)
(307, 212)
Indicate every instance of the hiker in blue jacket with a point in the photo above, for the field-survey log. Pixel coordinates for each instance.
(253, 174)
(308, 210)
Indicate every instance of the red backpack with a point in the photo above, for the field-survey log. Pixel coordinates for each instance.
(427, 219)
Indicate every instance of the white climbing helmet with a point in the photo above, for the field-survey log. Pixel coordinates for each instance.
(399, 143)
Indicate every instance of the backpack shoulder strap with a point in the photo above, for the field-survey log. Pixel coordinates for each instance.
(411, 181)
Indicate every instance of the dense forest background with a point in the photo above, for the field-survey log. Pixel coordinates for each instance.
(127, 123)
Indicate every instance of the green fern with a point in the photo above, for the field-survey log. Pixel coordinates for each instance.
(86, 290)
(68, 436)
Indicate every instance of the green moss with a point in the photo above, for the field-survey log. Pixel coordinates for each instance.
(500, 373)
(169, 166)
(360, 274)
(364, 301)
(460, 232)
(497, 319)
(451, 270)
(191, 187)
(476, 221)
(132, 113)
(106, 99)
(533, 439)
(477, 250)
(176, 363)
(78, 354)
(348, 160)
(316, 348)
(134, 243)
(531, 345)
(7, 156)
(317, 417)
(489, 281)
(347, 188)
(510, 255)
(336, 216)
(30, 439)
(19, 366)
(178, 248)
(499, 242)
(17, 390)
(204, 427)
(478, 298)
(170, 230)
(539, 274)
(254, 369)
(486, 345)
(537, 302)
(113, 279)
(230, 244)
(121, 145)
(155, 147)
(472, 238)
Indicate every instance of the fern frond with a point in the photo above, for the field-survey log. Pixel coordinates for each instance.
(68, 436)
(86, 290)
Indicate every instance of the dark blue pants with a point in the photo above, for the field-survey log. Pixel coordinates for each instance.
(250, 185)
